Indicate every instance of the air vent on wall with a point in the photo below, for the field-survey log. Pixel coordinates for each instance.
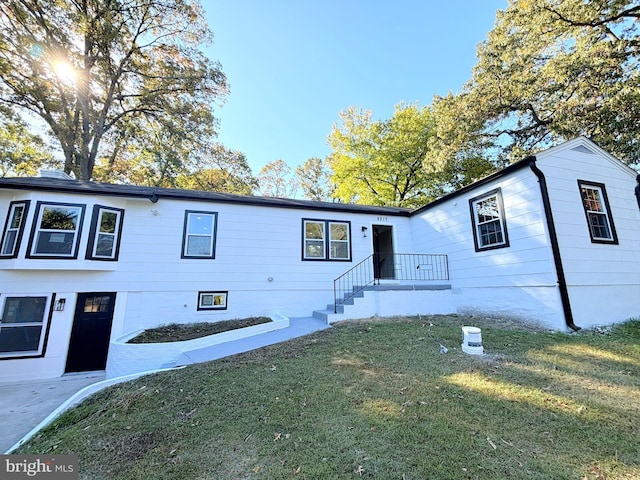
(583, 149)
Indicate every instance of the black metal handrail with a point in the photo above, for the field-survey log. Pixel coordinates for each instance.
(388, 266)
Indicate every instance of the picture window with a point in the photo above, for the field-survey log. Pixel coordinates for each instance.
(56, 230)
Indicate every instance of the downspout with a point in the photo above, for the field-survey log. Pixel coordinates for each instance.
(553, 237)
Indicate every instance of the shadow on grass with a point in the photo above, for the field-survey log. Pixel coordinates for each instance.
(374, 399)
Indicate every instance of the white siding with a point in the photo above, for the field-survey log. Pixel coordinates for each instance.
(518, 280)
(258, 261)
(603, 279)
(258, 257)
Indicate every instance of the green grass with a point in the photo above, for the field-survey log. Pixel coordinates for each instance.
(375, 399)
(178, 332)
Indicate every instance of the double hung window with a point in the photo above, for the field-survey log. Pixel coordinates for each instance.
(489, 225)
(56, 230)
(104, 236)
(326, 240)
(598, 212)
(199, 236)
(13, 229)
(22, 328)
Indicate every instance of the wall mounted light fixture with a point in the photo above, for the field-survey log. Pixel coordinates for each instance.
(60, 304)
(364, 231)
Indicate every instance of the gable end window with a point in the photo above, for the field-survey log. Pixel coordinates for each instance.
(56, 230)
(104, 235)
(326, 240)
(597, 212)
(13, 229)
(199, 236)
(489, 225)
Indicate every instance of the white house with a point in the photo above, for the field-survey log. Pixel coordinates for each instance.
(553, 239)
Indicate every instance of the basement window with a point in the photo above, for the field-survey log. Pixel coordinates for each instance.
(489, 225)
(212, 300)
(597, 212)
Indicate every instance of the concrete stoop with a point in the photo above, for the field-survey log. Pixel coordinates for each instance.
(372, 300)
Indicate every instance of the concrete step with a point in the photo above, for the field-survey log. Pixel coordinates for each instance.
(328, 315)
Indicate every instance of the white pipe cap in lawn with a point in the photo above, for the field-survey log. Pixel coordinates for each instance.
(472, 341)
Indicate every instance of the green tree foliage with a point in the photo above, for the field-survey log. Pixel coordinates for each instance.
(220, 170)
(313, 176)
(112, 78)
(551, 70)
(275, 180)
(21, 152)
(459, 153)
(381, 162)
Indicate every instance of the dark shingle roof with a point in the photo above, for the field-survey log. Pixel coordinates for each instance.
(156, 193)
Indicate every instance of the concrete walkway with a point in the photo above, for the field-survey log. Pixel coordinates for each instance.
(27, 407)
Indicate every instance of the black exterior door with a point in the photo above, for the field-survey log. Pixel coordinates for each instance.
(89, 343)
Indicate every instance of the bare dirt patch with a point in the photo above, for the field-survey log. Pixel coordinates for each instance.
(176, 332)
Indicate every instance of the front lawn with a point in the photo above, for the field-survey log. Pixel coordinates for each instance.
(375, 399)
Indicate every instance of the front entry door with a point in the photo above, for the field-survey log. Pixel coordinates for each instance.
(90, 333)
(383, 262)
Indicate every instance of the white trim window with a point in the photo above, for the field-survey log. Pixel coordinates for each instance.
(56, 230)
(104, 236)
(597, 212)
(13, 229)
(22, 328)
(489, 226)
(199, 236)
(326, 240)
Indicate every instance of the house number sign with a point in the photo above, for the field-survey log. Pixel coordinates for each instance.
(383, 219)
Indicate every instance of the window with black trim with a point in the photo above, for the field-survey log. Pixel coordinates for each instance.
(105, 232)
(14, 228)
(199, 236)
(212, 300)
(22, 327)
(56, 230)
(597, 212)
(489, 225)
(326, 240)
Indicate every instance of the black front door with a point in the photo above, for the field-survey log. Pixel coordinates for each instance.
(90, 333)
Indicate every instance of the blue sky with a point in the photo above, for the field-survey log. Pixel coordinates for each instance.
(293, 65)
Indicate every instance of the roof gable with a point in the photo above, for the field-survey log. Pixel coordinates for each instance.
(584, 145)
